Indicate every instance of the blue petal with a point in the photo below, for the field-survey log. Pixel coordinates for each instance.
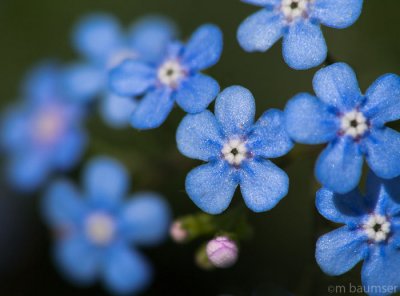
(71, 149)
(145, 219)
(132, 78)
(339, 166)
(387, 189)
(153, 109)
(304, 46)
(309, 121)
(196, 93)
(383, 153)
(126, 271)
(116, 110)
(204, 48)
(262, 3)
(199, 136)
(381, 270)
(62, 204)
(337, 86)
(260, 31)
(235, 109)
(263, 185)
(211, 187)
(269, 137)
(382, 104)
(340, 250)
(96, 36)
(105, 181)
(338, 14)
(14, 128)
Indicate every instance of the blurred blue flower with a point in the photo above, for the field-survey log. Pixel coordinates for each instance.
(371, 233)
(237, 152)
(43, 133)
(298, 22)
(171, 76)
(100, 40)
(353, 124)
(95, 229)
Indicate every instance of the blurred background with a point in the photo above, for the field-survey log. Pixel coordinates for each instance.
(279, 257)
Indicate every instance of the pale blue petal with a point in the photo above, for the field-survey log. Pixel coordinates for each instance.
(116, 110)
(14, 129)
(263, 2)
(70, 149)
(41, 82)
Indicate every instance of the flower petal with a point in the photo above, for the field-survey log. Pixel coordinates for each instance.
(235, 109)
(383, 153)
(199, 136)
(211, 187)
(338, 14)
(304, 46)
(339, 166)
(71, 149)
(116, 110)
(41, 82)
(262, 2)
(340, 250)
(309, 121)
(263, 184)
(204, 48)
(269, 137)
(196, 93)
(14, 127)
(260, 31)
(132, 78)
(337, 86)
(382, 104)
(145, 218)
(153, 109)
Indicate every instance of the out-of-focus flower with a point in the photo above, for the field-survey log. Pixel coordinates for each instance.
(352, 123)
(371, 233)
(100, 40)
(178, 233)
(43, 133)
(298, 22)
(95, 231)
(172, 76)
(237, 152)
(222, 252)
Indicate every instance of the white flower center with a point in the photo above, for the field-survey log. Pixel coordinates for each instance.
(377, 228)
(100, 228)
(234, 151)
(47, 126)
(171, 73)
(354, 124)
(293, 9)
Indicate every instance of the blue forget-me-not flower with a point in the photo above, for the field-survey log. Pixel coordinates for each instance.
(371, 233)
(95, 227)
(172, 76)
(298, 22)
(351, 123)
(236, 151)
(43, 133)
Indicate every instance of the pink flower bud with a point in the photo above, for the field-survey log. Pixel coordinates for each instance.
(177, 232)
(222, 252)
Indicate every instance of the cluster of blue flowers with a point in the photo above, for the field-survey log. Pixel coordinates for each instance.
(139, 76)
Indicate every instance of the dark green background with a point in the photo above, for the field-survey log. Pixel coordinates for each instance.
(280, 256)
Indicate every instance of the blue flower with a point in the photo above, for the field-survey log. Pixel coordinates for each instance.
(298, 22)
(171, 76)
(95, 228)
(371, 233)
(236, 151)
(100, 40)
(43, 133)
(353, 124)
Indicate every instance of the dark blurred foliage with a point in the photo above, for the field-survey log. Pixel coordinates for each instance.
(280, 256)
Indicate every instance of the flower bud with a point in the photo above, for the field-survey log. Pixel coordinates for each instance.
(178, 233)
(222, 252)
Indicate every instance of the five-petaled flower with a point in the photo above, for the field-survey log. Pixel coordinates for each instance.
(298, 22)
(353, 124)
(94, 232)
(43, 133)
(371, 233)
(172, 76)
(237, 152)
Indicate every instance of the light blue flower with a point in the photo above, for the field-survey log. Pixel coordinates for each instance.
(371, 233)
(298, 22)
(95, 228)
(103, 45)
(351, 123)
(171, 76)
(43, 133)
(236, 151)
